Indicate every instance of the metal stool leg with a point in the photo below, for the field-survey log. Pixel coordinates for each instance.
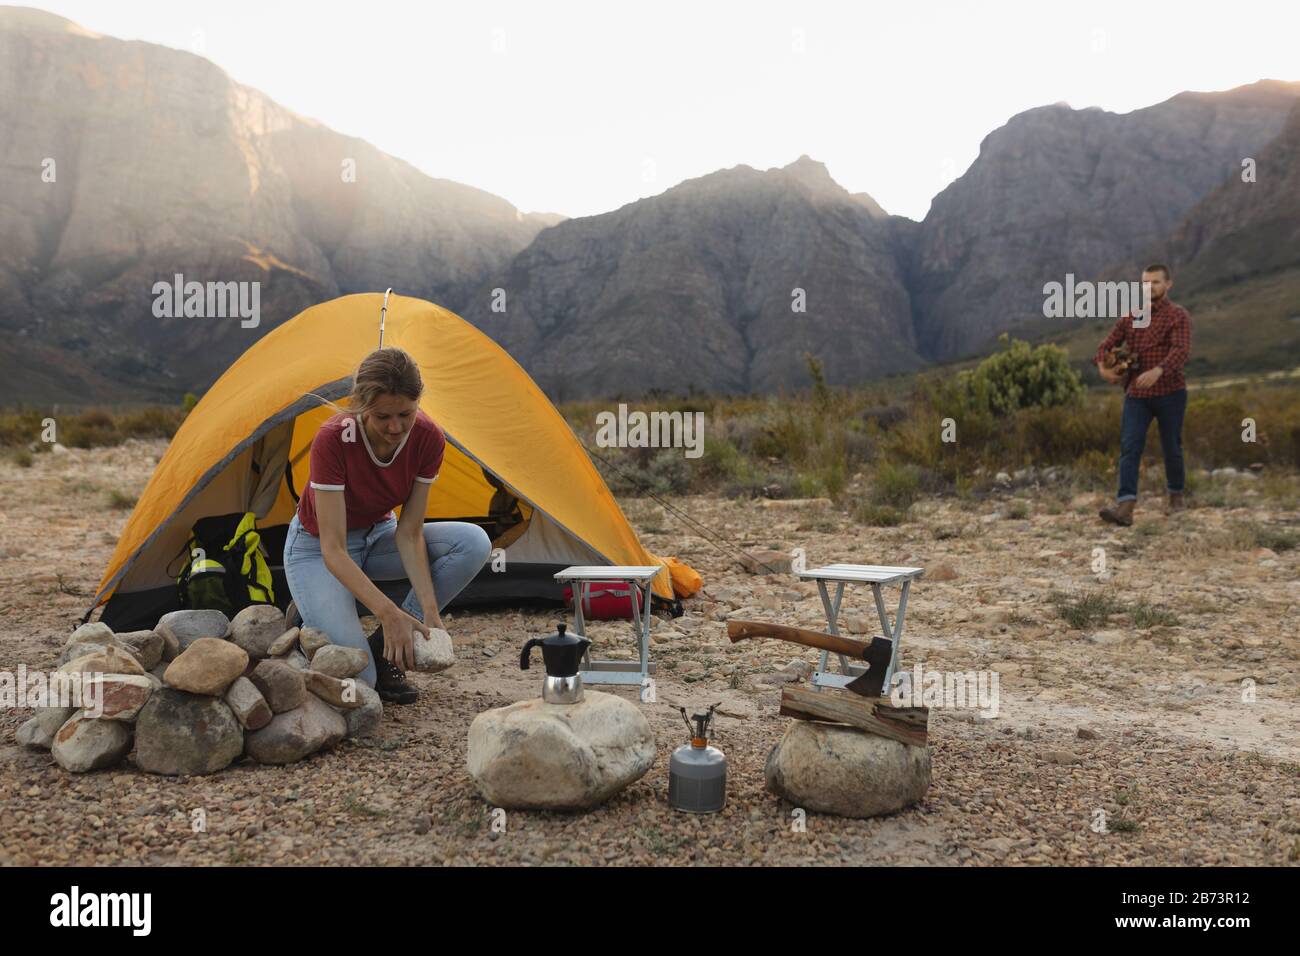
(579, 623)
(898, 633)
(643, 594)
(895, 631)
(832, 622)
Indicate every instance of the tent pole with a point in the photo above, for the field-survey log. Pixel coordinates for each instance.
(382, 315)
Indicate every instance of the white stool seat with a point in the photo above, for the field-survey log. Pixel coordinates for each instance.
(637, 577)
(876, 575)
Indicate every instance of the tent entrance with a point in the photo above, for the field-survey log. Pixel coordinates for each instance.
(266, 476)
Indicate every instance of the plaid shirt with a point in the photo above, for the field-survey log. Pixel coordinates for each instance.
(1166, 342)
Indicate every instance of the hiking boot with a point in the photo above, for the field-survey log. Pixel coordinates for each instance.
(1121, 514)
(1175, 502)
(390, 680)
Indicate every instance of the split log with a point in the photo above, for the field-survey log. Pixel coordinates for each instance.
(876, 715)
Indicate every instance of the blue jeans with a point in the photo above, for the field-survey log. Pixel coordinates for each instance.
(1168, 411)
(457, 552)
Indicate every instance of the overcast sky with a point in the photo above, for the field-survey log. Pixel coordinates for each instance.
(580, 108)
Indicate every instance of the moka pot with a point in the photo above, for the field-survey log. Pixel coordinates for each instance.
(562, 654)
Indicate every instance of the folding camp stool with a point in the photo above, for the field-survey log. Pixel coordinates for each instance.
(876, 575)
(635, 576)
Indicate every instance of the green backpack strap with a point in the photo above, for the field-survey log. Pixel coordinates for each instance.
(253, 569)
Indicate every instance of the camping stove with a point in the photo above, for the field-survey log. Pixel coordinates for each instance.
(697, 773)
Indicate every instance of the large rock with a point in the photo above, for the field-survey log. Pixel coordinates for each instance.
(71, 652)
(89, 639)
(283, 644)
(433, 653)
(147, 646)
(364, 721)
(120, 696)
(185, 627)
(180, 733)
(109, 660)
(335, 692)
(942, 572)
(208, 666)
(311, 640)
(849, 772)
(94, 633)
(248, 705)
(535, 755)
(31, 734)
(767, 562)
(84, 743)
(38, 732)
(339, 661)
(281, 685)
(171, 647)
(256, 628)
(297, 733)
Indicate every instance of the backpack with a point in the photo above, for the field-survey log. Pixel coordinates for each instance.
(227, 570)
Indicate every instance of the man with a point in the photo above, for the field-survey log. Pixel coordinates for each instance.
(1155, 388)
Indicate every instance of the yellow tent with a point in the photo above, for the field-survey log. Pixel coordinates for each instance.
(245, 447)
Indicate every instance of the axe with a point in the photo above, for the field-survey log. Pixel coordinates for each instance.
(875, 654)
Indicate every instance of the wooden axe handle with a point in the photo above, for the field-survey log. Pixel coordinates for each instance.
(741, 630)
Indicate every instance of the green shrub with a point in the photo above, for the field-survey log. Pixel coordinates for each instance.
(782, 439)
(1095, 466)
(721, 460)
(150, 423)
(1094, 607)
(878, 516)
(120, 502)
(821, 393)
(93, 431)
(896, 486)
(812, 444)
(648, 470)
(1024, 376)
(1275, 539)
(19, 428)
(1147, 615)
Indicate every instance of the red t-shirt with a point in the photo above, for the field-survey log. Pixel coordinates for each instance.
(342, 460)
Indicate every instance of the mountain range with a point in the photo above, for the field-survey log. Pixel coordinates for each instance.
(127, 163)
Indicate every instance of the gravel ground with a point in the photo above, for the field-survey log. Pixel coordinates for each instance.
(1144, 725)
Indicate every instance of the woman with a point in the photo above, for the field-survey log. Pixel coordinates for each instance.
(380, 452)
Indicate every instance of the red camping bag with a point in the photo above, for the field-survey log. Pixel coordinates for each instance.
(606, 600)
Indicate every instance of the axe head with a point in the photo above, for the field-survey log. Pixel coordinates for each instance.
(872, 683)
